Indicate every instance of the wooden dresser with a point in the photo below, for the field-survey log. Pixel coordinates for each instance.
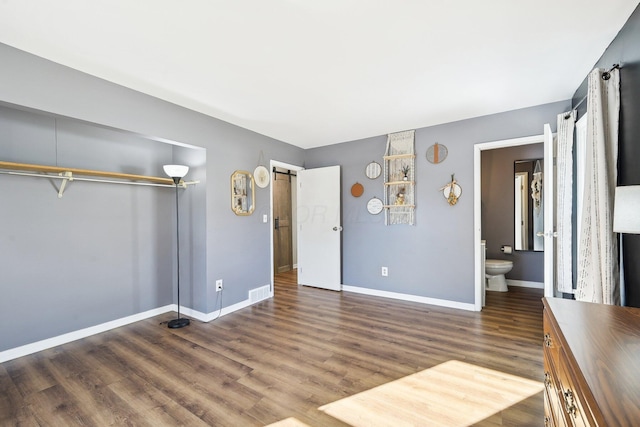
(591, 364)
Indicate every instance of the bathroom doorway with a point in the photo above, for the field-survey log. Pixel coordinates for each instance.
(497, 214)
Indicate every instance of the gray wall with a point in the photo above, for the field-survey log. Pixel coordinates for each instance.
(498, 203)
(434, 258)
(221, 244)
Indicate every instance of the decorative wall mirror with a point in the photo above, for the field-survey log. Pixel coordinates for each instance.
(242, 193)
(373, 170)
(528, 212)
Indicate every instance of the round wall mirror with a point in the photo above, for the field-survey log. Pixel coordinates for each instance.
(437, 153)
(373, 170)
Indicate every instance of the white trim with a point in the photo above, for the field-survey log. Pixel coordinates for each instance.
(208, 317)
(477, 199)
(525, 284)
(14, 353)
(408, 297)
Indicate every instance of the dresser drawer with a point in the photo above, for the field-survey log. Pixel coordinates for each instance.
(550, 341)
(553, 401)
(572, 400)
(591, 364)
(548, 414)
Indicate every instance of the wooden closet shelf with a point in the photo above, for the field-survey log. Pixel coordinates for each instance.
(86, 172)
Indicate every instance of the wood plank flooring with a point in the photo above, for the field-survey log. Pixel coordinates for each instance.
(278, 361)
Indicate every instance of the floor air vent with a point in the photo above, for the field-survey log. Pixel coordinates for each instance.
(258, 294)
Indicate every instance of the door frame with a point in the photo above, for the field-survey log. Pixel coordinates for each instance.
(477, 204)
(272, 164)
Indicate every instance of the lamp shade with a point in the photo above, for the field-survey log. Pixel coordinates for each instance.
(626, 210)
(176, 171)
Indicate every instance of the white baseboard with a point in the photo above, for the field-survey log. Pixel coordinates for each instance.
(525, 284)
(208, 317)
(409, 297)
(14, 353)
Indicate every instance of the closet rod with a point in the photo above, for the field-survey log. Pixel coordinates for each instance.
(109, 181)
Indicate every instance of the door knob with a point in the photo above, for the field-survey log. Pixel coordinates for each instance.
(337, 228)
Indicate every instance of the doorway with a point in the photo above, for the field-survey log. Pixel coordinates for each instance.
(479, 255)
(283, 182)
(284, 249)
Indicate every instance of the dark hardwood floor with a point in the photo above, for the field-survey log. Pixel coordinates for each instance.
(280, 359)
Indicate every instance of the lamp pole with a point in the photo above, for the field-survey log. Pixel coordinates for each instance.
(176, 172)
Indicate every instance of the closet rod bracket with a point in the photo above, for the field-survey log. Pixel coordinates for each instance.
(68, 176)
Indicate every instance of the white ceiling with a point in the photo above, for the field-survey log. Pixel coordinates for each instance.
(314, 73)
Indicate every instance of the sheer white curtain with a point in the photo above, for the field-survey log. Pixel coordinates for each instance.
(564, 200)
(598, 273)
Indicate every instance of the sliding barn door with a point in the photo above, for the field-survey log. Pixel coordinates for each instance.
(282, 244)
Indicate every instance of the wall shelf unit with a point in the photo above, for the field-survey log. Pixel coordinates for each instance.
(75, 174)
(399, 178)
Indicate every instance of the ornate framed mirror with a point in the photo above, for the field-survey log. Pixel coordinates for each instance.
(242, 193)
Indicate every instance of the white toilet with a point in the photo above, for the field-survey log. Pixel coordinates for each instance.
(495, 270)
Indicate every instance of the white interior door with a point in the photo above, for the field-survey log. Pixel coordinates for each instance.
(548, 197)
(319, 229)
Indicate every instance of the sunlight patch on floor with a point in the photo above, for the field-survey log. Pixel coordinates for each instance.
(452, 394)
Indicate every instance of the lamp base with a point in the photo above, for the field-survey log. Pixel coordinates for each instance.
(178, 323)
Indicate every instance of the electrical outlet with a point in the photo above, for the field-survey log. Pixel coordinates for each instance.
(385, 271)
(218, 285)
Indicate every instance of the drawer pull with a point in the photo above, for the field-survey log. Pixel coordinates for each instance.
(547, 379)
(569, 403)
(547, 340)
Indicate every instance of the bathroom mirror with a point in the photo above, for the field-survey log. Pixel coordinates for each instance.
(242, 193)
(529, 215)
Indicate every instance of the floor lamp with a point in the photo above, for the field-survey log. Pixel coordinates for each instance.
(177, 172)
(626, 220)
